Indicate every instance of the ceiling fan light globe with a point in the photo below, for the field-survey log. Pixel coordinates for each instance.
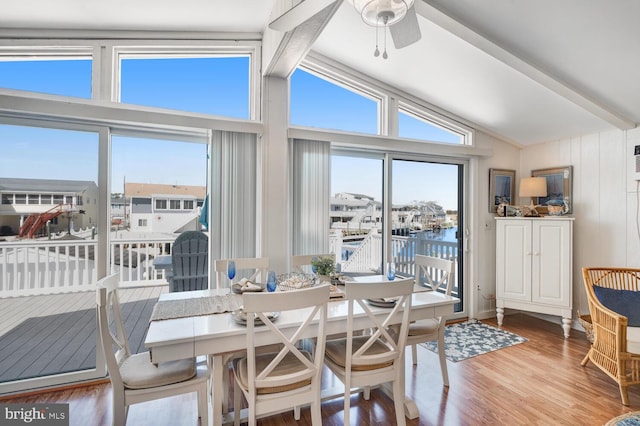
(382, 12)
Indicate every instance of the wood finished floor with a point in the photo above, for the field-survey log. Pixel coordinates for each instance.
(539, 382)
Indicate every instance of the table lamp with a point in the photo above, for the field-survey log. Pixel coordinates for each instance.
(533, 187)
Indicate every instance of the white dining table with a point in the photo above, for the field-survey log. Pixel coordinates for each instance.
(219, 335)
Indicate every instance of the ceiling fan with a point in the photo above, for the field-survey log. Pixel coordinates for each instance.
(398, 15)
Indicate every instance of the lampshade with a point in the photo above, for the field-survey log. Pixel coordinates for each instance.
(533, 187)
(382, 12)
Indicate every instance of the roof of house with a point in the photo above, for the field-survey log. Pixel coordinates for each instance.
(133, 189)
(44, 185)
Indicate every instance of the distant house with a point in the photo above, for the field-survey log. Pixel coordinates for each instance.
(358, 211)
(74, 200)
(164, 208)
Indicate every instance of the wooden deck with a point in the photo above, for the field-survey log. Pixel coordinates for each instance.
(44, 335)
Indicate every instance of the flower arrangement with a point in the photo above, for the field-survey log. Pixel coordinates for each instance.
(324, 265)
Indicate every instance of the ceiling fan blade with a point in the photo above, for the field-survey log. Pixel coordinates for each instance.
(406, 31)
(299, 13)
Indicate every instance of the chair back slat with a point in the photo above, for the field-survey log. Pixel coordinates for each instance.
(253, 268)
(357, 294)
(302, 263)
(435, 273)
(315, 299)
(113, 337)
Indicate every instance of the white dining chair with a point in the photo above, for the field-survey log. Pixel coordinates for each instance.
(288, 378)
(133, 377)
(377, 357)
(253, 268)
(436, 274)
(302, 263)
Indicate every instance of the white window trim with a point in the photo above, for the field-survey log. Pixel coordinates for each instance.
(438, 121)
(353, 85)
(392, 98)
(192, 49)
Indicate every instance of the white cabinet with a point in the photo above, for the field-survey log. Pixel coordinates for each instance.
(534, 266)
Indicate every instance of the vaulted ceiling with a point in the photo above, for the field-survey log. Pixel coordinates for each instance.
(525, 71)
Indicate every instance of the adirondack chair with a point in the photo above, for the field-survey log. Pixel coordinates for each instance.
(189, 261)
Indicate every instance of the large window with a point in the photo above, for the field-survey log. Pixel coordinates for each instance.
(152, 170)
(57, 75)
(412, 126)
(316, 102)
(45, 337)
(208, 85)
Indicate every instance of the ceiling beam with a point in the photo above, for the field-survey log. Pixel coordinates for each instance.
(598, 108)
(283, 51)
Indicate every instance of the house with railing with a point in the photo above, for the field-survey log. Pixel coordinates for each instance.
(46, 206)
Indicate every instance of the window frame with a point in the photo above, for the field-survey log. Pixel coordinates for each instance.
(437, 120)
(48, 52)
(192, 49)
(355, 86)
(392, 100)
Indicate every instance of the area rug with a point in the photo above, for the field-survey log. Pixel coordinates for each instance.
(629, 419)
(468, 339)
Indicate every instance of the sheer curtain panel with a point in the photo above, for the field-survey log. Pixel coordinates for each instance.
(233, 194)
(310, 186)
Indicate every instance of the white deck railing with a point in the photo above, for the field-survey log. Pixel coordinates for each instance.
(368, 255)
(63, 266)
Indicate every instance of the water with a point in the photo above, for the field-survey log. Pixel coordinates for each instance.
(446, 235)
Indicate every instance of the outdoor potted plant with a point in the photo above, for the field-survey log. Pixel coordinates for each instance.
(323, 267)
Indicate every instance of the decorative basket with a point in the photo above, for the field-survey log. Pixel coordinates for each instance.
(585, 322)
(294, 281)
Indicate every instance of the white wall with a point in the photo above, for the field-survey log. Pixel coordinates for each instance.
(604, 194)
(483, 281)
(604, 203)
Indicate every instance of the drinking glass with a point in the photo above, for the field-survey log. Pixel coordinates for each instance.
(271, 281)
(391, 271)
(231, 269)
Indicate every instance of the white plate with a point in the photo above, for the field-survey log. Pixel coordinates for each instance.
(381, 303)
(240, 317)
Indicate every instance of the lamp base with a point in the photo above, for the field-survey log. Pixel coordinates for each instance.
(533, 212)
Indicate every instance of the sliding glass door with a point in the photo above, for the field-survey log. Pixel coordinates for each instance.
(392, 207)
(49, 237)
(426, 214)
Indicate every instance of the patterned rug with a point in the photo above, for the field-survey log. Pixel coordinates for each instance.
(629, 419)
(468, 339)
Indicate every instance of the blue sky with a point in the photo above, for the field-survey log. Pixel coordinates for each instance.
(212, 87)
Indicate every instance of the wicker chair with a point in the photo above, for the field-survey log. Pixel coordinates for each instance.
(616, 347)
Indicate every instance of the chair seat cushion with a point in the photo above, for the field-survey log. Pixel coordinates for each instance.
(633, 340)
(289, 364)
(623, 302)
(336, 351)
(138, 372)
(423, 327)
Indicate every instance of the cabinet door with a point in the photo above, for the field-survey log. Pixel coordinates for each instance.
(513, 259)
(551, 262)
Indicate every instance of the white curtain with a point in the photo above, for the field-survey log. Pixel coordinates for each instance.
(310, 187)
(233, 194)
